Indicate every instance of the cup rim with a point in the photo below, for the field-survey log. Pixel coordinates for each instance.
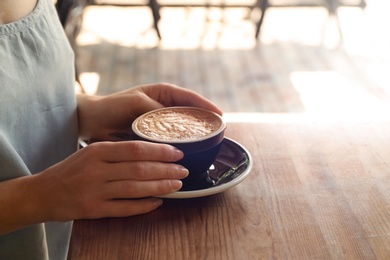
(203, 138)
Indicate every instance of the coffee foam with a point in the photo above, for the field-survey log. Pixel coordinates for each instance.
(178, 124)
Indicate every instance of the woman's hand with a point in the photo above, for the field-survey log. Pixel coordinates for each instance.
(113, 179)
(110, 117)
(104, 179)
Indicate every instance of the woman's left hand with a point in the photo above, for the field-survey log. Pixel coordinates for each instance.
(110, 117)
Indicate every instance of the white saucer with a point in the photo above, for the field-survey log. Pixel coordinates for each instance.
(232, 166)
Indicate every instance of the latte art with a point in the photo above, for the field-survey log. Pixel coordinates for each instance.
(178, 124)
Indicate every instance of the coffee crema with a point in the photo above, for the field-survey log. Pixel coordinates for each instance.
(178, 124)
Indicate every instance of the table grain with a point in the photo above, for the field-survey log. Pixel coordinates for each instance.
(317, 190)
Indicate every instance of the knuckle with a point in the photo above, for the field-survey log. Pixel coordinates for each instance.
(87, 208)
(124, 210)
(170, 170)
(138, 97)
(164, 187)
(138, 148)
(153, 151)
(93, 149)
(130, 188)
(134, 207)
(139, 169)
(159, 188)
(165, 85)
(168, 153)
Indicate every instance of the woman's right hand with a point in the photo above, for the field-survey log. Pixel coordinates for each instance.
(104, 179)
(112, 179)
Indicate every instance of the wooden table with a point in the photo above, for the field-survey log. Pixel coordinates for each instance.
(317, 190)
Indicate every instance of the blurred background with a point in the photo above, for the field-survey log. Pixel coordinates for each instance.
(307, 58)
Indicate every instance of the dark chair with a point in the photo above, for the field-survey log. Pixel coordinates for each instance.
(152, 4)
(70, 13)
(331, 5)
(260, 4)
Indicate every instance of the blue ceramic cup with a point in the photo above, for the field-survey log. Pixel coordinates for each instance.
(195, 131)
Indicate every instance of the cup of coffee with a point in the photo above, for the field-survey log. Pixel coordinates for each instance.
(195, 131)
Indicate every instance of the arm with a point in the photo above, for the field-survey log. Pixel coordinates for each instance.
(17, 203)
(89, 182)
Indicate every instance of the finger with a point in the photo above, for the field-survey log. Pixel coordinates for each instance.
(142, 170)
(134, 151)
(172, 95)
(125, 208)
(140, 189)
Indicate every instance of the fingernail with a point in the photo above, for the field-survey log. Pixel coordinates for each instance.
(179, 153)
(183, 172)
(176, 185)
(158, 202)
